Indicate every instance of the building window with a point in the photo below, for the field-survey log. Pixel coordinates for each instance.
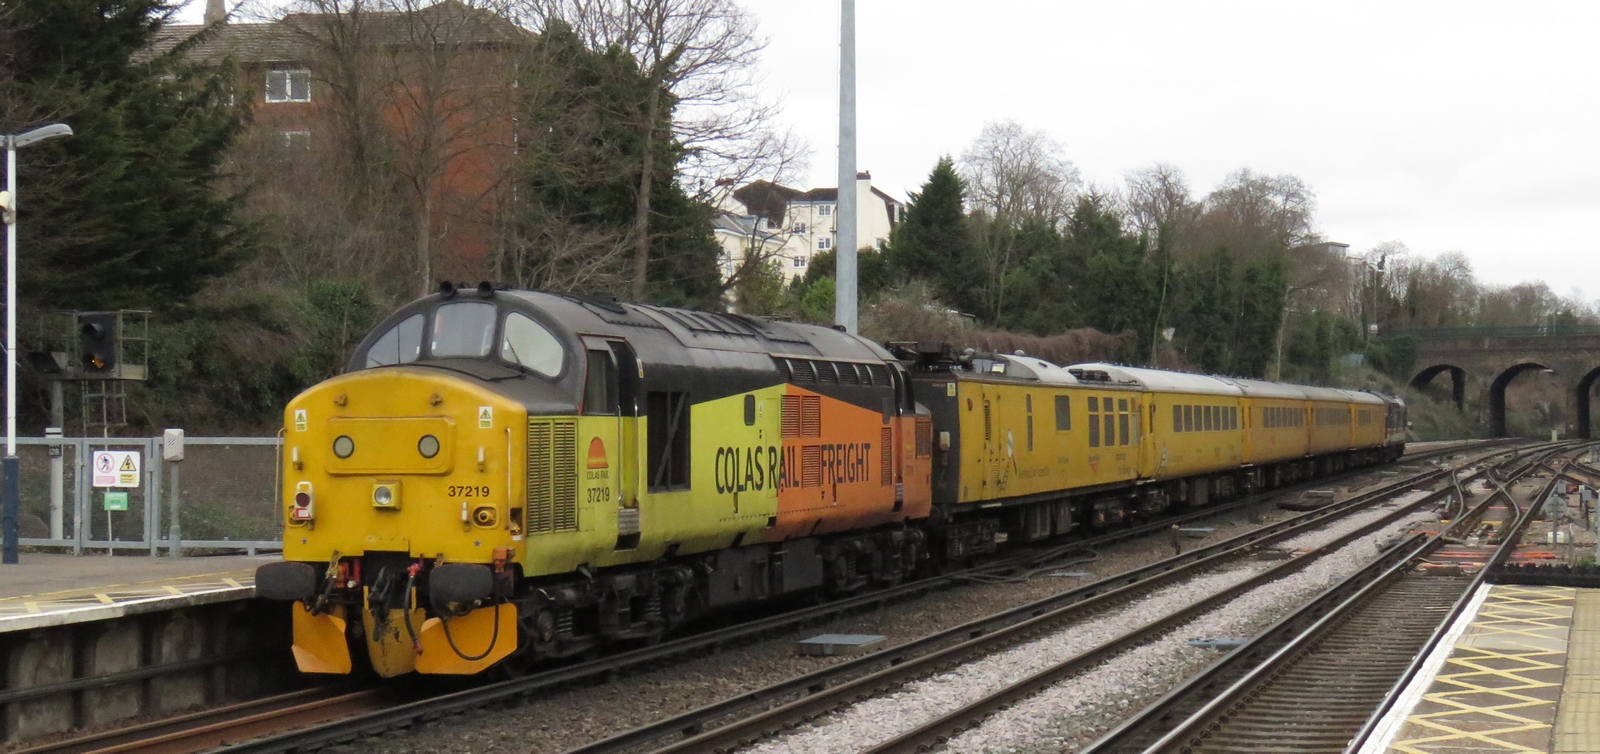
(289, 85)
(799, 261)
(823, 244)
(825, 210)
(296, 140)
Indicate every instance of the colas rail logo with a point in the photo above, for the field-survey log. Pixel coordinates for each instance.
(597, 464)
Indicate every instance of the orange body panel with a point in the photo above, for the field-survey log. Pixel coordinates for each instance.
(839, 468)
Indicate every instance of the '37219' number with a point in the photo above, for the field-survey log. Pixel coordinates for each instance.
(468, 490)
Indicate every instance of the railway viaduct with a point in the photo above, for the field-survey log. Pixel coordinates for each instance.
(1489, 359)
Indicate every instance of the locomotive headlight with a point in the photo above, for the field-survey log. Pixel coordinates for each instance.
(386, 495)
(428, 446)
(343, 446)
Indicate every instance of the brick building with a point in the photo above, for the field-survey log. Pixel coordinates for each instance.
(438, 82)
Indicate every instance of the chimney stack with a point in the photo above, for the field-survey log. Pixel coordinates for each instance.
(216, 11)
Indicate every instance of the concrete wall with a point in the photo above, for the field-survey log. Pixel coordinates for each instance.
(85, 675)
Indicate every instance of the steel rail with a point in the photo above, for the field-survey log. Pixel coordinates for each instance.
(906, 667)
(939, 730)
(1501, 555)
(1230, 705)
(333, 730)
(1138, 732)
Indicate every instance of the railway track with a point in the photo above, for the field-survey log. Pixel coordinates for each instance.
(309, 719)
(1311, 681)
(832, 688)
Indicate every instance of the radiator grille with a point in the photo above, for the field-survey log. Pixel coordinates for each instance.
(791, 416)
(552, 476)
(811, 466)
(886, 448)
(810, 416)
(564, 473)
(924, 437)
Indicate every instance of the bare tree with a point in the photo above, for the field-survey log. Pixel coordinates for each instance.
(422, 89)
(1161, 208)
(698, 57)
(1014, 176)
(1017, 174)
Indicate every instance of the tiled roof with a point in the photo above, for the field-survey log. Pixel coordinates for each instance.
(294, 38)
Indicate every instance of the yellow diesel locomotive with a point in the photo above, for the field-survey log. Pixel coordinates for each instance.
(503, 477)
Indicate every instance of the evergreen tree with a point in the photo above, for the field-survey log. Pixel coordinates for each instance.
(133, 209)
(577, 178)
(932, 242)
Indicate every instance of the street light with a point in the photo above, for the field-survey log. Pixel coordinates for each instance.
(10, 484)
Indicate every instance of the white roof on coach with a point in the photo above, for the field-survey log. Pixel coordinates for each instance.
(1326, 394)
(1361, 396)
(1264, 389)
(1156, 379)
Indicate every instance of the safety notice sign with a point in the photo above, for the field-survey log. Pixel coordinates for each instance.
(116, 468)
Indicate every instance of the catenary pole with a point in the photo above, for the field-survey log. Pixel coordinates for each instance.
(844, 254)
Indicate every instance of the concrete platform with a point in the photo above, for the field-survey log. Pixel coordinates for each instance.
(47, 590)
(1519, 671)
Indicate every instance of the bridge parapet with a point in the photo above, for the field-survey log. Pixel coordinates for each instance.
(1490, 358)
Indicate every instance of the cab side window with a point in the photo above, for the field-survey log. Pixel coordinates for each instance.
(600, 385)
(529, 344)
(402, 344)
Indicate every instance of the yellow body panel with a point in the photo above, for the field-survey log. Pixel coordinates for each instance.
(1010, 444)
(1269, 444)
(319, 645)
(1184, 443)
(487, 631)
(386, 412)
(731, 487)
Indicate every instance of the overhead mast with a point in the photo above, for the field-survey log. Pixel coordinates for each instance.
(844, 247)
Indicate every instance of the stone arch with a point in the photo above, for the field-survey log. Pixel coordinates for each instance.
(1497, 395)
(1585, 387)
(1458, 382)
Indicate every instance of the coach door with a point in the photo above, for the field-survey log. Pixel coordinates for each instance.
(611, 480)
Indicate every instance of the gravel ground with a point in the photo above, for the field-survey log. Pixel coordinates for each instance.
(583, 713)
(1135, 675)
(1073, 713)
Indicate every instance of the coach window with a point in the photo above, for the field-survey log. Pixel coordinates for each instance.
(1063, 413)
(1177, 418)
(401, 345)
(1188, 417)
(1123, 437)
(1094, 422)
(526, 342)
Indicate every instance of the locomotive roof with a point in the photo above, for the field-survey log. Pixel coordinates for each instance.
(656, 329)
(1158, 379)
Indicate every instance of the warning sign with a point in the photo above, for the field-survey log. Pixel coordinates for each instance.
(485, 417)
(116, 468)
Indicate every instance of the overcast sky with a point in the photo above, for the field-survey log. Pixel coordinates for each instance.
(1443, 125)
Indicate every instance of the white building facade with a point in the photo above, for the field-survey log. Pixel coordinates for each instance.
(791, 226)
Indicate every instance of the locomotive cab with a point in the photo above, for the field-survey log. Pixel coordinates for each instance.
(403, 486)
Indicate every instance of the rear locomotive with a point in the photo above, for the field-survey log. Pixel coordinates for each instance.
(504, 477)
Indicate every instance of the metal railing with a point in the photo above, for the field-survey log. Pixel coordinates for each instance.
(1539, 331)
(228, 496)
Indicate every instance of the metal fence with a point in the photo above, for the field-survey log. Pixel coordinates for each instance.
(227, 496)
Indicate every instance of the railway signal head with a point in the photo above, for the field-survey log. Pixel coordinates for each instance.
(97, 337)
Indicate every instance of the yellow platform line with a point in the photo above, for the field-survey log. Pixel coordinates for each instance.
(1485, 698)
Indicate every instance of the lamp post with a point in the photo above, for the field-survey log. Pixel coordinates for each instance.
(10, 484)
